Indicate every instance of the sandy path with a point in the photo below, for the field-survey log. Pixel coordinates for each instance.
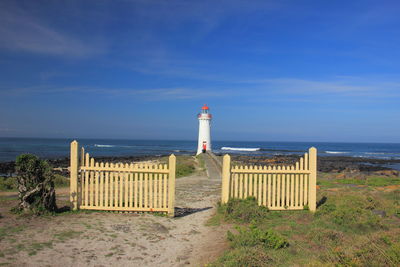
(118, 239)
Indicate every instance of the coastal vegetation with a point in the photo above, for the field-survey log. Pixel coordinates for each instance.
(185, 166)
(35, 182)
(356, 224)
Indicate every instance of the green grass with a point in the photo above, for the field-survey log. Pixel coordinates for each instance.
(60, 181)
(371, 181)
(346, 230)
(329, 180)
(185, 166)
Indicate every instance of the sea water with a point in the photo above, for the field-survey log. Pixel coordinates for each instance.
(10, 148)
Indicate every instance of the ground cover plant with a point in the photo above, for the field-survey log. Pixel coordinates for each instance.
(353, 226)
(185, 166)
(8, 183)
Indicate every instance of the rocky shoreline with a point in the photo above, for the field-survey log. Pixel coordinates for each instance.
(335, 164)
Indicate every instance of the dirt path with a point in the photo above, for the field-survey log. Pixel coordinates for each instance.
(119, 239)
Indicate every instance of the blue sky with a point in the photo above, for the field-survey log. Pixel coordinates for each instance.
(269, 70)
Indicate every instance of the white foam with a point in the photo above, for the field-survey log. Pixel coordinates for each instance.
(96, 145)
(336, 152)
(240, 148)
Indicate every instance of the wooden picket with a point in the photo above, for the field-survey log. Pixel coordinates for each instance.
(121, 187)
(276, 187)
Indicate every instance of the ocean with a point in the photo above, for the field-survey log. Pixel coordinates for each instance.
(47, 148)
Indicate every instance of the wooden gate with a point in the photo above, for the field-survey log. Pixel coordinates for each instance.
(276, 187)
(121, 187)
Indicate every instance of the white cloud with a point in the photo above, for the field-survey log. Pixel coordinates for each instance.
(347, 86)
(19, 31)
(145, 94)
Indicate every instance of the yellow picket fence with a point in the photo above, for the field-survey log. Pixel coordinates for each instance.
(121, 187)
(276, 187)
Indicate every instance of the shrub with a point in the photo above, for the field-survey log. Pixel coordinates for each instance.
(243, 210)
(244, 257)
(8, 183)
(253, 236)
(35, 185)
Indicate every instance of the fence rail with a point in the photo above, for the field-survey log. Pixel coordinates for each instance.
(121, 187)
(276, 187)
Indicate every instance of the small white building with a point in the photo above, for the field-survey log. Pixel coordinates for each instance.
(204, 130)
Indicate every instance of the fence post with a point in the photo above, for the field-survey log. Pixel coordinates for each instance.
(312, 201)
(226, 174)
(171, 186)
(73, 182)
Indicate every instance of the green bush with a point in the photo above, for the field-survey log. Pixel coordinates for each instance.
(8, 183)
(244, 257)
(35, 185)
(243, 210)
(253, 236)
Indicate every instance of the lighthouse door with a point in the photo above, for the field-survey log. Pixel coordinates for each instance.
(204, 146)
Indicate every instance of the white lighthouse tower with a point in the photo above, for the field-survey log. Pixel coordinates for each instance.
(204, 130)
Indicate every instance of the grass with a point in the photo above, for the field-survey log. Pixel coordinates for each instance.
(65, 235)
(35, 247)
(185, 166)
(371, 181)
(60, 181)
(328, 180)
(352, 227)
(200, 160)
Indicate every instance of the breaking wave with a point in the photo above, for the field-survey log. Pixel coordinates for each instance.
(240, 148)
(336, 152)
(96, 145)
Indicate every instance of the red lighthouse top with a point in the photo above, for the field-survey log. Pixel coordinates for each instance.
(205, 107)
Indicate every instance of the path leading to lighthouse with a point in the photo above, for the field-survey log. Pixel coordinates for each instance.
(125, 239)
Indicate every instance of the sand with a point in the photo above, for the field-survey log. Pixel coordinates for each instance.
(122, 239)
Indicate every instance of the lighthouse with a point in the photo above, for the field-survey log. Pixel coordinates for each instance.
(204, 130)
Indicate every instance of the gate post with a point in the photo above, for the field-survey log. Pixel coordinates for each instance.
(226, 175)
(312, 201)
(171, 185)
(73, 181)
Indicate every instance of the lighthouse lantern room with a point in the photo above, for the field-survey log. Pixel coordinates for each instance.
(204, 130)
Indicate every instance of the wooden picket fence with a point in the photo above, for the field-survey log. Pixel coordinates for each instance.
(121, 187)
(276, 187)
